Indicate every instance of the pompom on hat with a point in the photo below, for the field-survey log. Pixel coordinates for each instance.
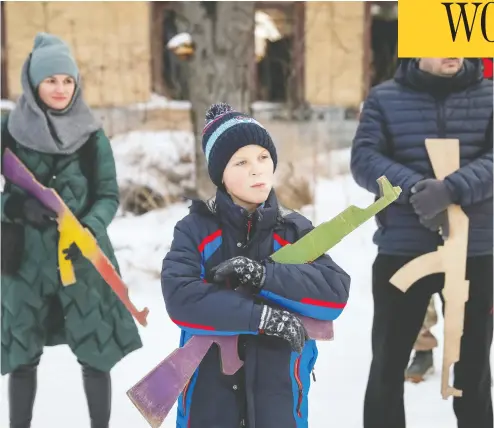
(227, 131)
(50, 56)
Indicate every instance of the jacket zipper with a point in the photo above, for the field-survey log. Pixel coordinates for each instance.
(441, 126)
(300, 386)
(441, 123)
(245, 244)
(249, 227)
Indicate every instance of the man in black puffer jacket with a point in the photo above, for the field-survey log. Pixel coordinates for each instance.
(428, 98)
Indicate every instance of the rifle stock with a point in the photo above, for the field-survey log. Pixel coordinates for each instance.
(155, 394)
(70, 231)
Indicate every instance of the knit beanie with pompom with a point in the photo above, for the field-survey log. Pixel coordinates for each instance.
(50, 56)
(227, 131)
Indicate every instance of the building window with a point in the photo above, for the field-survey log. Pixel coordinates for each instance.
(169, 78)
(384, 41)
(279, 52)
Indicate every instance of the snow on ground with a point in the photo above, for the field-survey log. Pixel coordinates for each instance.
(341, 369)
(146, 157)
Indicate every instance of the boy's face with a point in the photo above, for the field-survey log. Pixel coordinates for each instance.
(248, 176)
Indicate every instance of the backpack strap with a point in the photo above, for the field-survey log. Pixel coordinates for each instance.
(87, 157)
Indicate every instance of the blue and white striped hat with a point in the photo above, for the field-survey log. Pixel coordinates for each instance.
(225, 132)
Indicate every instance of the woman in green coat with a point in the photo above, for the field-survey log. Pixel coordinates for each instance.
(55, 135)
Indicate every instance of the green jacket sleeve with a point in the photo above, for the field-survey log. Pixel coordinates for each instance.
(105, 194)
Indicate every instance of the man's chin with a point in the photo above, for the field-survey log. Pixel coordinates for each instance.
(450, 70)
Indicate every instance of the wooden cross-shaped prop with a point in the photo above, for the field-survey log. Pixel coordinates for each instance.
(449, 259)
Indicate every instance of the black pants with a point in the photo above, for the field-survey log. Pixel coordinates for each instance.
(22, 392)
(398, 317)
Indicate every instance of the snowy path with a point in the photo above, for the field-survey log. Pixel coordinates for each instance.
(336, 398)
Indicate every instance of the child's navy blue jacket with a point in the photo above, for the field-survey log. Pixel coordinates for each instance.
(271, 388)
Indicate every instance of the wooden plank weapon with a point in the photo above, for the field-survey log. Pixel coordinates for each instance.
(450, 259)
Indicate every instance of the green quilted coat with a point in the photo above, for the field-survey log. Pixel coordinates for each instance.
(37, 310)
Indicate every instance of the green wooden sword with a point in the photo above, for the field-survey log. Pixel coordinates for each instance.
(325, 236)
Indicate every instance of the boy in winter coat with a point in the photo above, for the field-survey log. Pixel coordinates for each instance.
(218, 279)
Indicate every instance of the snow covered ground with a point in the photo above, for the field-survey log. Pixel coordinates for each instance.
(341, 368)
(160, 160)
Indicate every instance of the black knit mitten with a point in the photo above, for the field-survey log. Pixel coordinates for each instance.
(285, 325)
(242, 271)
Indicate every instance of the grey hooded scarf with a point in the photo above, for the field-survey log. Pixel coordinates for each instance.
(46, 130)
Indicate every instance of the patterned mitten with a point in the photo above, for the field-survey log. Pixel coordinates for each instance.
(283, 324)
(242, 270)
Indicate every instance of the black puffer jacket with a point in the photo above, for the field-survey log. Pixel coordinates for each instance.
(396, 119)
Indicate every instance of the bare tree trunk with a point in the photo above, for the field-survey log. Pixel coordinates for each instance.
(219, 71)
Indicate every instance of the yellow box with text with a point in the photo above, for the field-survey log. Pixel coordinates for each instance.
(434, 28)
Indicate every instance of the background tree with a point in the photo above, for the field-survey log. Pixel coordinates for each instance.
(220, 68)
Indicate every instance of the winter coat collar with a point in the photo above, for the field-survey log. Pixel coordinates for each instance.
(265, 217)
(408, 74)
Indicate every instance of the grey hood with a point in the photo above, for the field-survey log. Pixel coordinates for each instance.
(50, 131)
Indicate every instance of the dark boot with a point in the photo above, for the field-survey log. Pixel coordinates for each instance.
(97, 385)
(22, 392)
(421, 367)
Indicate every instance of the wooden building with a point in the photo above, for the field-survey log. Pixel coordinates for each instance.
(119, 47)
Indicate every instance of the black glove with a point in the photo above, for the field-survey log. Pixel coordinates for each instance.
(439, 222)
(73, 253)
(242, 271)
(29, 209)
(430, 197)
(283, 324)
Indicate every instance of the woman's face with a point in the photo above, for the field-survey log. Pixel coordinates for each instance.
(57, 91)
